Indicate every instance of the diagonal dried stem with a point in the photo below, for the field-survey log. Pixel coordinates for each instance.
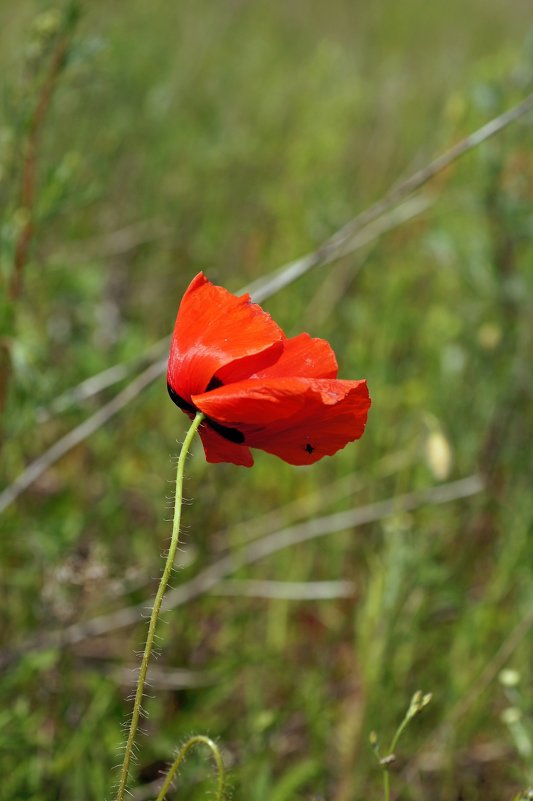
(211, 577)
(348, 238)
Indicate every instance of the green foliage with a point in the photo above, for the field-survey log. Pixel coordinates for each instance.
(234, 138)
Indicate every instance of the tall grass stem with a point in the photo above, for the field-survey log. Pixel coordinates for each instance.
(28, 190)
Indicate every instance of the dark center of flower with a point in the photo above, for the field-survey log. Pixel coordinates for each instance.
(215, 383)
(231, 434)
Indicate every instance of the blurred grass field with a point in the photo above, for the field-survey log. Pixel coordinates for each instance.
(234, 137)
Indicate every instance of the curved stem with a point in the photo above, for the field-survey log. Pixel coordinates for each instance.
(198, 739)
(136, 714)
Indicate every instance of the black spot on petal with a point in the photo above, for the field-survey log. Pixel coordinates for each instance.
(309, 448)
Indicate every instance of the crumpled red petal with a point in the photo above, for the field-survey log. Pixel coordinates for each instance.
(298, 419)
(302, 356)
(217, 332)
(321, 430)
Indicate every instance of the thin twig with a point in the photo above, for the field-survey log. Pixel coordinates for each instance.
(339, 243)
(29, 168)
(118, 242)
(159, 677)
(78, 434)
(97, 383)
(28, 191)
(212, 576)
(286, 590)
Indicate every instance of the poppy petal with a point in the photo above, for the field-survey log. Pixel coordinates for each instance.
(304, 357)
(215, 330)
(298, 419)
(220, 449)
(318, 432)
(256, 402)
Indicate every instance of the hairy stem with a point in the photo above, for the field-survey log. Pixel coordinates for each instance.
(167, 570)
(198, 739)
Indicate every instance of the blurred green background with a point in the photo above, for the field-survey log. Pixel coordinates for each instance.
(234, 137)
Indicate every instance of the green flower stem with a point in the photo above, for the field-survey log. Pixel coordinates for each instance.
(169, 564)
(418, 702)
(386, 784)
(198, 739)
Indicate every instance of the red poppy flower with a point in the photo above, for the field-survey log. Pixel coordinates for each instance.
(258, 389)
